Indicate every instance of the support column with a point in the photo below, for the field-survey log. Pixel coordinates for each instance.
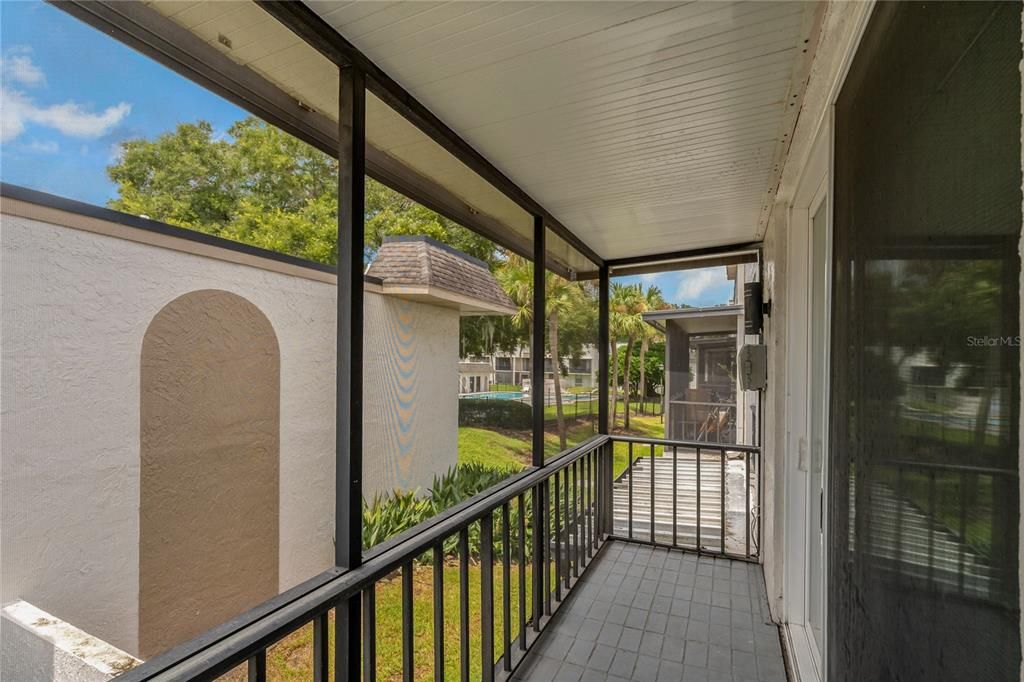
(602, 344)
(537, 399)
(348, 484)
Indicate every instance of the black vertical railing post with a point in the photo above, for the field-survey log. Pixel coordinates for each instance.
(258, 666)
(537, 388)
(576, 506)
(487, 597)
(522, 572)
(697, 461)
(558, 537)
(538, 557)
(545, 487)
(439, 612)
(408, 644)
(349, 357)
(321, 647)
(629, 497)
(675, 496)
(369, 634)
(568, 532)
(603, 345)
(652, 493)
(464, 605)
(506, 588)
(722, 501)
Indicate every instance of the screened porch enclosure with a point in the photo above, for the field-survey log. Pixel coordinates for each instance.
(413, 464)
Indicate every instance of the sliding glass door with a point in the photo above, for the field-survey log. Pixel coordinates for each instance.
(923, 488)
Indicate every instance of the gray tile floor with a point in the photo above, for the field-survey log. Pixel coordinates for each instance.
(648, 614)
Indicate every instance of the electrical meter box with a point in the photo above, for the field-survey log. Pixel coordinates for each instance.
(752, 365)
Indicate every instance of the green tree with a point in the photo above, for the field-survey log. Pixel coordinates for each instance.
(653, 300)
(625, 321)
(260, 186)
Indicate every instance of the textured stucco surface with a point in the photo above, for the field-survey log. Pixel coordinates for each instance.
(75, 308)
(209, 406)
(37, 647)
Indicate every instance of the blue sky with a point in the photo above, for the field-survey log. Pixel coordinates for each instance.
(64, 113)
(702, 287)
(70, 94)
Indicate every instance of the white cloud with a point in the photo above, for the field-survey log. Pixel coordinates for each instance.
(18, 67)
(648, 277)
(70, 118)
(697, 282)
(42, 147)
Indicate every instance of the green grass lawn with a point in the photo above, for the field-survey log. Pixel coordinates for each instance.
(292, 657)
(493, 449)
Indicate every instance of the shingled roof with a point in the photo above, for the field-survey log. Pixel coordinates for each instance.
(423, 269)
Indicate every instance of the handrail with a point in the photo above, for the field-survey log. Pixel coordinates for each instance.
(704, 445)
(258, 629)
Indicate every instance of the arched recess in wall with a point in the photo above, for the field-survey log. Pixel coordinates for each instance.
(209, 408)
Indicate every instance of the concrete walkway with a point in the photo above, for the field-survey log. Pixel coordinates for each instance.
(650, 614)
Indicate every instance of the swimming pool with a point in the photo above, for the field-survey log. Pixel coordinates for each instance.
(495, 395)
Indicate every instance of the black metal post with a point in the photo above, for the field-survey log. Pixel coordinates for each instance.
(537, 342)
(348, 485)
(537, 395)
(602, 356)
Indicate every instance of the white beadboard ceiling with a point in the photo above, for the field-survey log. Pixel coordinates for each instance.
(644, 127)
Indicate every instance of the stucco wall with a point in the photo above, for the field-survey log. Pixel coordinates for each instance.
(76, 304)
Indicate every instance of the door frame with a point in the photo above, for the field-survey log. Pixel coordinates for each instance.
(813, 187)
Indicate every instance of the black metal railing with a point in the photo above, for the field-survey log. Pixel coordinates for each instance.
(700, 496)
(552, 521)
(935, 524)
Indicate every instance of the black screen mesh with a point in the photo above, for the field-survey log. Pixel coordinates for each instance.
(925, 403)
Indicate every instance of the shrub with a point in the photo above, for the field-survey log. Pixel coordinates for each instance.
(502, 414)
(389, 514)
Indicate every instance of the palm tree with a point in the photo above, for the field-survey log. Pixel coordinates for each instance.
(516, 278)
(653, 300)
(626, 306)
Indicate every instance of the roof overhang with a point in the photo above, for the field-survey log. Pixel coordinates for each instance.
(708, 320)
(444, 298)
(630, 128)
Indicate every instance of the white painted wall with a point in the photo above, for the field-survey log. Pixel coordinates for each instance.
(35, 646)
(75, 305)
(840, 30)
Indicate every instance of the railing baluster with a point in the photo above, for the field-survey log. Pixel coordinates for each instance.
(506, 589)
(321, 647)
(545, 492)
(487, 597)
(746, 508)
(439, 612)
(931, 525)
(629, 467)
(522, 572)
(675, 496)
(585, 463)
(538, 557)
(591, 534)
(963, 530)
(652, 494)
(576, 519)
(464, 604)
(697, 460)
(568, 532)
(558, 540)
(370, 633)
(722, 491)
(257, 666)
(407, 619)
